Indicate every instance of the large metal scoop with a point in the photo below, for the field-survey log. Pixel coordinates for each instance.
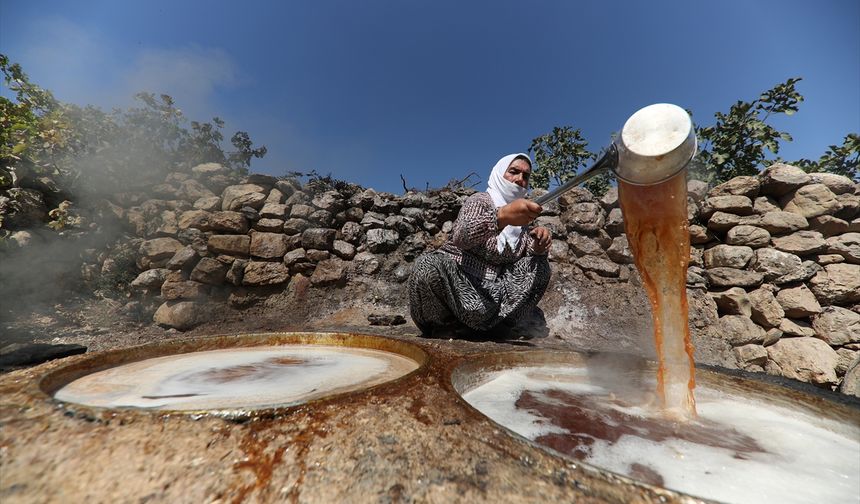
(655, 144)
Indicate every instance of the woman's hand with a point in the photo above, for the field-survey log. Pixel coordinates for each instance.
(518, 213)
(542, 239)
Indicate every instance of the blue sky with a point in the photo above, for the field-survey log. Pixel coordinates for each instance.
(369, 90)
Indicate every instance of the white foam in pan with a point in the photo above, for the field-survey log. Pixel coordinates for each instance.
(249, 377)
(801, 458)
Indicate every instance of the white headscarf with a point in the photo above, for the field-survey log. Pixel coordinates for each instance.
(503, 192)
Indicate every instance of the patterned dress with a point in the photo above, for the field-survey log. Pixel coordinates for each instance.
(469, 282)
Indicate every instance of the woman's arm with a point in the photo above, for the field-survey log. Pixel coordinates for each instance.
(476, 223)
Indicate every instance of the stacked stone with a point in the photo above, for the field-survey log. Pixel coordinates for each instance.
(263, 232)
(781, 259)
(589, 235)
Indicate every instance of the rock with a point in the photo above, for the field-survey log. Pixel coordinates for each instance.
(552, 223)
(696, 278)
(850, 204)
(615, 222)
(798, 302)
(17, 355)
(365, 263)
(837, 326)
(739, 186)
(235, 245)
(846, 245)
(287, 187)
(343, 249)
(749, 236)
(399, 223)
(733, 301)
(231, 222)
(801, 243)
(585, 217)
(385, 320)
(351, 232)
(722, 222)
(697, 189)
(620, 251)
(184, 259)
(851, 381)
(192, 190)
(559, 251)
(275, 197)
(796, 328)
(331, 201)
(846, 359)
(740, 330)
(236, 196)
(265, 273)
(807, 270)
(765, 310)
(738, 205)
(315, 255)
(782, 222)
(825, 259)
(268, 245)
(183, 289)
(169, 226)
(610, 199)
(301, 211)
(261, 179)
(318, 238)
(731, 277)
(372, 220)
(206, 170)
(750, 355)
(772, 336)
(599, 265)
(385, 204)
(774, 263)
(837, 284)
(159, 249)
(697, 257)
(150, 279)
(295, 256)
(810, 201)
(329, 272)
(699, 235)
(382, 240)
(273, 211)
(236, 273)
(806, 359)
(208, 203)
(209, 271)
(828, 225)
(269, 225)
(322, 218)
(765, 204)
(727, 256)
(583, 245)
(838, 184)
(576, 195)
(295, 226)
(779, 179)
(415, 199)
(181, 315)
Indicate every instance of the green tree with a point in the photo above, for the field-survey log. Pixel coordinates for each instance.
(558, 155)
(738, 143)
(841, 160)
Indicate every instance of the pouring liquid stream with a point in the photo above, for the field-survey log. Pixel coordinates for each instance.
(655, 220)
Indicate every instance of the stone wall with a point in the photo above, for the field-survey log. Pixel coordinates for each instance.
(778, 253)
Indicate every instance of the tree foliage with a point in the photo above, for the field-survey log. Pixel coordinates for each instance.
(738, 143)
(841, 160)
(558, 155)
(87, 149)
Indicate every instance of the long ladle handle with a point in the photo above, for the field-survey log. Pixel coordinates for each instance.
(609, 160)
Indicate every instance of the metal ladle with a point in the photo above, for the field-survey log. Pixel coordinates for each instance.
(655, 144)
